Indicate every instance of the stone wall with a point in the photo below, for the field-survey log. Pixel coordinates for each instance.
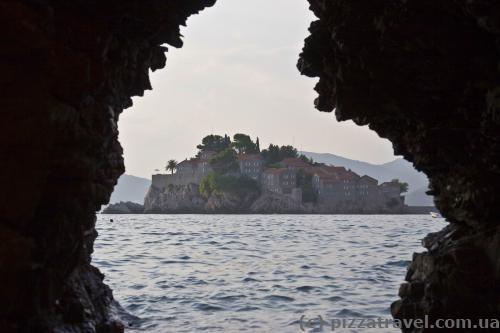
(68, 69)
(162, 181)
(425, 74)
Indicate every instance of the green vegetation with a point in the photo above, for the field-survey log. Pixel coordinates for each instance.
(274, 153)
(225, 161)
(217, 184)
(307, 160)
(403, 187)
(243, 144)
(171, 165)
(215, 143)
(276, 165)
(304, 181)
(225, 176)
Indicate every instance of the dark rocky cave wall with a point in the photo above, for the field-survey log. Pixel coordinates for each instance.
(426, 75)
(67, 70)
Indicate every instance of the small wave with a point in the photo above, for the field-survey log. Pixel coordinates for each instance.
(349, 313)
(399, 263)
(279, 298)
(179, 286)
(305, 288)
(138, 286)
(241, 320)
(193, 280)
(184, 262)
(247, 308)
(210, 328)
(334, 298)
(229, 298)
(207, 307)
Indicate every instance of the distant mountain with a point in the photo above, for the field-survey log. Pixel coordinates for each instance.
(130, 188)
(399, 168)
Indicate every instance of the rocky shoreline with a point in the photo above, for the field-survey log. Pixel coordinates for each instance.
(187, 200)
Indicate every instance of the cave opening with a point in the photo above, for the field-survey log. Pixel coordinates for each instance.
(224, 79)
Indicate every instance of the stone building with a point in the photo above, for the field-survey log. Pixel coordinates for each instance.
(336, 186)
(206, 155)
(294, 162)
(251, 165)
(367, 189)
(392, 191)
(279, 180)
(187, 172)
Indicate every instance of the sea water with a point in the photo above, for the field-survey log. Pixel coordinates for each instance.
(256, 273)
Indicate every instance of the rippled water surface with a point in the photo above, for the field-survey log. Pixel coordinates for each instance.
(255, 273)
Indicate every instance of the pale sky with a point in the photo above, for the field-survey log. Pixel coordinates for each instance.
(236, 74)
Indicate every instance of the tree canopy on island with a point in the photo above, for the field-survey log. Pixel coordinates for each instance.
(243, 144)
(227, 151)
(275, 153)
(403, 187)
(225, 161)
(215, 143)
(215, 183)
(304, 181)
(171, 165)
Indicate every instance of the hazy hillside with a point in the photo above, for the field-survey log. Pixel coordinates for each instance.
(398, 168)
(130, 188)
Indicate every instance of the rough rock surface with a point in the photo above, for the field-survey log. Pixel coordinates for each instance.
(175, 199)
(272, 203)
(230, 202)
(124, 207)
(425, 75)
(68, 69)
(187, 199)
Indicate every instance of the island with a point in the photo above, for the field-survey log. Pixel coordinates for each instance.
(236, 176)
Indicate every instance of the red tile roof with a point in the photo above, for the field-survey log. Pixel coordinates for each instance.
(369, 178)
(349, 175)
(334, 169)
(315, 169)
(275, 171)
(294, 162)
(252, 157)
(330, 173)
